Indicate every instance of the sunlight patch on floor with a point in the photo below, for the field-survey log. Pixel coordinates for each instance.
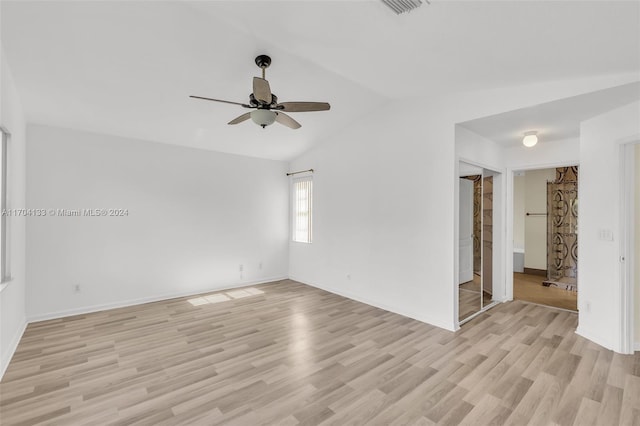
(225, 296)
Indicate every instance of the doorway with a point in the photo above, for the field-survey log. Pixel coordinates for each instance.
(630, 247)
(545, 236)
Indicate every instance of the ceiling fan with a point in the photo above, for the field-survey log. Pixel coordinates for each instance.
(265, 104)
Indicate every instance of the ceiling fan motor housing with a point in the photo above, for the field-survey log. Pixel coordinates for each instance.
(256, 103)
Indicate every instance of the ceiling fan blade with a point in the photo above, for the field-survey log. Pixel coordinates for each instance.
(220, 100)
(285, 120)
(240, 119)
(262, 90)
(303, 106)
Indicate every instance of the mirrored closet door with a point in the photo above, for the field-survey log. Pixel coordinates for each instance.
(475, 262)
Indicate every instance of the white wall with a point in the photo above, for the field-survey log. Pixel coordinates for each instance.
(384, 206)
(193, 217)
(471, 146)
(518, 212)
(12, 296)
(565, 152)
(637, 247)
(599, 209)
(535, 227)
(383, 215)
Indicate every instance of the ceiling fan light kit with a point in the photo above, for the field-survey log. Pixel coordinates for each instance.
(263, 117)
(267, 110)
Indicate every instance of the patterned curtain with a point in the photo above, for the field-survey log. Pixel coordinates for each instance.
(562, 224)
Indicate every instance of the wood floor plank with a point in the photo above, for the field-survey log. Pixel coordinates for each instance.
(587, 413)
(630, 408)
(288, 354)
(611, 405)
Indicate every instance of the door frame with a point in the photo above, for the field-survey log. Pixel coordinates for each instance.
(511, 171)
(626, 295)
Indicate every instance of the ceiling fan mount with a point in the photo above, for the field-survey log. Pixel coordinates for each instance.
(267, 109)
(263, 61)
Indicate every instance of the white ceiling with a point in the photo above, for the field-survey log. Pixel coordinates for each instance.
(553, 121)
(126, 68)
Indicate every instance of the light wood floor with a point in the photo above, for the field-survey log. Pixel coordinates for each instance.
(529, 287)
(299, 355)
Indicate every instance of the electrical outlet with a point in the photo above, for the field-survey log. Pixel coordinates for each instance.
(241, 267)
(76, 288)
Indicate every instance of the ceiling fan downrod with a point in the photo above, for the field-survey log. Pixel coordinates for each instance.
(263, 61)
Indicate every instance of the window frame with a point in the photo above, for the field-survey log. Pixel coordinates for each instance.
(293, 210)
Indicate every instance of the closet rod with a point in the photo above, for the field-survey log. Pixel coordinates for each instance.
(301, 171)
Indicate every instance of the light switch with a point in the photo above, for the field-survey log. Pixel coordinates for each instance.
(605, 235)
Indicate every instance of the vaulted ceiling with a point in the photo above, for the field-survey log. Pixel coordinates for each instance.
(127, 68)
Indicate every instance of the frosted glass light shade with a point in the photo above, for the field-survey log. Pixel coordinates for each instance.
(263, 117)
(530, 139)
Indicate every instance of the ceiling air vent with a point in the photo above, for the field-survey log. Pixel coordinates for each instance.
(402, 6)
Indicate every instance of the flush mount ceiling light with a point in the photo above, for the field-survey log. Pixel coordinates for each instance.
(530, 139)
(403, 6)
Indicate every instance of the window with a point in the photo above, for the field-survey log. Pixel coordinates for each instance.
(4, 267)
(302, 208)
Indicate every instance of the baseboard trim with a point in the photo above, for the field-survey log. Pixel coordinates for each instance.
(141, 301)
(395, 310)
(595, 339)
(6, 357)
(533, 271)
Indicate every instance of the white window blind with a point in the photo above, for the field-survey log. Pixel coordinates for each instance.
(302, 209)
